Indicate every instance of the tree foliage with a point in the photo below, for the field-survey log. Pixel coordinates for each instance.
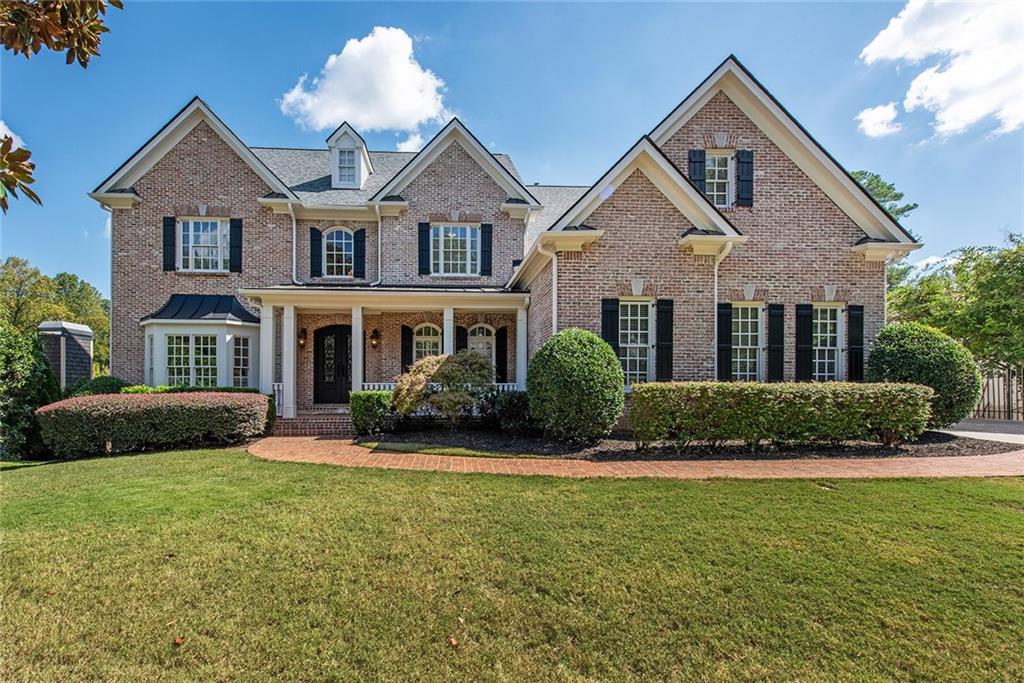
(72, 26)
(28, 297)
(26, 383)
(885, 193)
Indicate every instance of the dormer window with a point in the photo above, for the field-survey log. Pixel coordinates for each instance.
(350, 162)
(347, 166)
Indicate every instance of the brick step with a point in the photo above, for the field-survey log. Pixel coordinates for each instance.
(316, 425)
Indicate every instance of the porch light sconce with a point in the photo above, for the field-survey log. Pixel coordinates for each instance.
(302, 338)
(375, 338)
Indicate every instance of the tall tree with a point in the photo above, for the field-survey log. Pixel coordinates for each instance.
(87, 306)
(889, 197)
(71, 26)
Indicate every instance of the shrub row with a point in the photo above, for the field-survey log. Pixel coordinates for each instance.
(118, 423)
(714, 412)
(185, 389)
(372, 412)
(102, 384)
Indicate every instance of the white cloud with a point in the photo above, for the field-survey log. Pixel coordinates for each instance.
(374, 83)
(5, 131)
(879, 121)
(413, 143)
(981, 68)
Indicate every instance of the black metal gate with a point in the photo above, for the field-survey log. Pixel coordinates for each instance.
(1002, 394)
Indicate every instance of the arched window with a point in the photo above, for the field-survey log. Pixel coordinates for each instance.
(338, 253)
(481, 340)
(426, 341)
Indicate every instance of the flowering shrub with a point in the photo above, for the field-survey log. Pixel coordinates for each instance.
(119, 423)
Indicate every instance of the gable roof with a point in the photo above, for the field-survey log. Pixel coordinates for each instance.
(455, 131)
(670, 181)
(768, 114)
(171, 134)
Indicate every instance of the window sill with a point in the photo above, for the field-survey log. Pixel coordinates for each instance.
(206, 273)
(458, 276)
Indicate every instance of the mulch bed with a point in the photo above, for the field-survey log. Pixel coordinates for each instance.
(620, 447)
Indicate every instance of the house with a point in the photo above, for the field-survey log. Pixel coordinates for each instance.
(726, 243)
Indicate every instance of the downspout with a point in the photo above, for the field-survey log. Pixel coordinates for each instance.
(554, 284)
(718, 259)
(380, 273)
(295, 279)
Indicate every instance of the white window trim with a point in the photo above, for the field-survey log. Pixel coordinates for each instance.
(762, 339)
(469, 261)
(323, 253)
(223, 246)
(840, 337)
(234, 359)
(336, 168)
(492, 337)
(417, 336)
(192, 358)
(651, 333)
(730, 189)
(224, 331)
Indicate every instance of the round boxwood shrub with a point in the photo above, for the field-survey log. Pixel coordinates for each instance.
(575, 386)
(912, 352)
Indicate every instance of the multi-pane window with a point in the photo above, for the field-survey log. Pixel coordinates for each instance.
(347, 166)
(716, 179)
(746, 342)
(825, 342)
(192, 360)
(481, 340)
(454, 250)
(634, 340)
(240, 362)
(338, 250)
(204, 244)
(426, 341)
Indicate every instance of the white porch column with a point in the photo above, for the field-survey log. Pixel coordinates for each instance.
(288, 360)
(357, 348)
(267, 349)
(521, 348)
(448, 334)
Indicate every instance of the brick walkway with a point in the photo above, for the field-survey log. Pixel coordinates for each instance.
(330, 451)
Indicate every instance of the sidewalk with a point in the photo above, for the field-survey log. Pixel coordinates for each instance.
(990, 430)
(343, 452)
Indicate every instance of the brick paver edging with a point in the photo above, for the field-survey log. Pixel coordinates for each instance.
(334, 451)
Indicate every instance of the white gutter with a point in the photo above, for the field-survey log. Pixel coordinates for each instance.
(718, 259)
(295, 279)
(553, 255)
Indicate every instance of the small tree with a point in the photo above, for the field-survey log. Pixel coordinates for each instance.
(26, 383)
(452, 385)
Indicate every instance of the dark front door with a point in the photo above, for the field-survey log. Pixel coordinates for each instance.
(332, 353)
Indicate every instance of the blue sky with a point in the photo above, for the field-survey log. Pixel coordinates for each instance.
(565, 89)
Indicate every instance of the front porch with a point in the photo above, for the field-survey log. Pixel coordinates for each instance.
(323, 343)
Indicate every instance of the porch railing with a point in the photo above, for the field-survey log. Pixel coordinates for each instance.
(501, 387)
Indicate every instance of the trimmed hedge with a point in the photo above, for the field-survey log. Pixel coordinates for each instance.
(118, 423)
(828, 412)
(185, 389)
(575, 386)
(912, 352)
(372, 413)
(104, 384)
(513, 410)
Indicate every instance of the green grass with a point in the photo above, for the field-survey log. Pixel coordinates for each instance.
(435, 449)
(288, 571)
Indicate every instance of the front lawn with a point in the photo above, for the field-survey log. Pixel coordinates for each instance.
(277, 570)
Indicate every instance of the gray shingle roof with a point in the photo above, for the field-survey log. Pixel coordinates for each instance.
(307, 172)
(555, 200)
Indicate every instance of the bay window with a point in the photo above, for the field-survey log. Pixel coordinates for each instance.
(240, 362)
(192, 360)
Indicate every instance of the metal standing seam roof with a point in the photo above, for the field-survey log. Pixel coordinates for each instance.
(224, 307)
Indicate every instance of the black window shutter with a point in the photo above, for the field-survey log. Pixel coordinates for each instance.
(855, 343)
(610, 322)
(663, 337)
(359, 253)
(486, 238)
(776, 342)
(724, 323)
(424, 248)
(316, 253)
(170, 242)
(804, 342)
(744, 177)
(501, 355)
(235, 245)
(461, 338)
(696, 159)
(406, 347)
